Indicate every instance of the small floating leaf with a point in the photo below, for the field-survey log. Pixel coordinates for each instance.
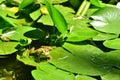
(114, 44)
(8, 48)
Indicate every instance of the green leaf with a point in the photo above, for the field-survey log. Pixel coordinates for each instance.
(111, 58)
(35, 34)
(1, 1)
(107, 20)
(35, 15)
(91, 11)
(104, 36)
(97, 3)
(78, 59)
(83, 77)
(76, 24)
(75, 3)
(25, 3)
(65, 11)
(25, 42)
(10, 11)
(46, 20)
(18, 33)
(4, 24)
(57, 18)
(53, 1)
(27, 59)
(8, 20)
(81, 35)
(114, 74)
(7, 48)
(0, 31)
(46, 71)
(114, 44)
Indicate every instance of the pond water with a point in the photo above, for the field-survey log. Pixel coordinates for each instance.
(12, 69)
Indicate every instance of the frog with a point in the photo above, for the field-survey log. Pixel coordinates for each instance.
(42, 52)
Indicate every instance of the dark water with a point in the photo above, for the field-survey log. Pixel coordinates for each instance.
(20, 70)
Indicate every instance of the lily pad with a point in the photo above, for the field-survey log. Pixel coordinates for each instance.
(114, 74)
(111, 58)
(1, 1)
(46, 20)
(65, 11)
(27, 59)
(78, 59)
(114, 44)
(107, 20)
(8, 48)
(46, 71)
(53, 1)
(83, 77)
(97, 3)
(9, 11)
(76, 24)
(18, 33)
(81, 35)
(104, 36)
(35, 15)
(35, 34)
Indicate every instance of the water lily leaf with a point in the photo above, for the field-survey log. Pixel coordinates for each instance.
(65, 11)
(0, 31)
(114, 44)
(35, 15)
(104, 36)
(57, 18)
(53, 1)
(78, 59)
(25, 3)
(91, 11)
(46, 71)
(8, 11)
(8, 20)
(18, 33)
(81, 35)
(111, 58)
(83, 77)
(4, 24)
(78, 24)
(97, 3)
(107, 20)
(26, 59)
(8, 48)
(5, 11)
(114, 74)
(35, 34)
(46, 20)
(25, 42)
(1, 1)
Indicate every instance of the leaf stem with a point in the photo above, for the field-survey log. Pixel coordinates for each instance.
(83, 8)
